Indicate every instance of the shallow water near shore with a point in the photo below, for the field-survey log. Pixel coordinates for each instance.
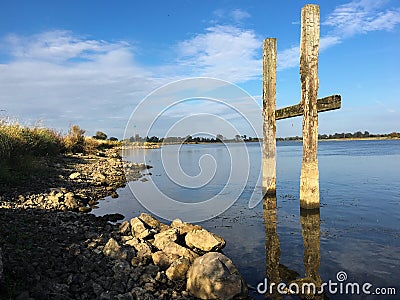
(359, 228)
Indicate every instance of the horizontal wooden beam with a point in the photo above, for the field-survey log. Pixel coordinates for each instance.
(324, 104)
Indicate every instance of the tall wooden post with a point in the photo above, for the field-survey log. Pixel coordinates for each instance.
(309, 48)
(269, 123)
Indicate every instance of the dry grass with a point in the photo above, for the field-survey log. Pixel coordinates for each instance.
(22, 147)
(17, 141)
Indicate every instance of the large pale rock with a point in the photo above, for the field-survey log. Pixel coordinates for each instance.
(150, 221)
(139, 230)
(112, 249)
(184, 227)
(178, 269)
(204, 241)
(173, 248)
(164, 238)
(214, 276)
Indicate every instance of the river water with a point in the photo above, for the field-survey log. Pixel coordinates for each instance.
(356, 232)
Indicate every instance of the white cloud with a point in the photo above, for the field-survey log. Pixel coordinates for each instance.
(362, 16)
(57, 46)
(347, 20)
(225, 52)
(65, 79)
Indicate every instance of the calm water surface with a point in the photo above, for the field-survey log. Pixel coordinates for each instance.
(359, 227)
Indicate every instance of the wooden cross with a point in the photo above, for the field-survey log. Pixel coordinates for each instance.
(309, 107)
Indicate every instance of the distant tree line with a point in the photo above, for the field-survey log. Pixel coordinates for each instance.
(219, 138)
(102, 136)
(343, 135)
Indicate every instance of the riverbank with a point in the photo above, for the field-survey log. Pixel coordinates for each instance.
(51, 248)
(42, 217)
(72, 182)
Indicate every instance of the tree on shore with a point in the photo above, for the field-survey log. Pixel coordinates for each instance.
(100, 135)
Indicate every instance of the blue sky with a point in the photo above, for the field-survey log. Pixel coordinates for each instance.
(92, 62)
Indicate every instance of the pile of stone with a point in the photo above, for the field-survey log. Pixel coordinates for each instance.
(187, 254)
(67, 255)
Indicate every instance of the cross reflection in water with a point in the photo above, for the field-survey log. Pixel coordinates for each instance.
(277, 273)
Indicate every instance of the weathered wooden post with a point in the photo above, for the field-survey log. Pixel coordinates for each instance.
(309, 107)
(269, 123)
(309, 48)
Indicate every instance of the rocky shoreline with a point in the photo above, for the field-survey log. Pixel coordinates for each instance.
(51, 249)
(74, 182)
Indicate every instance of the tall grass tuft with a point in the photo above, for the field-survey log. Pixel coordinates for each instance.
(23, 149)
(17, 141)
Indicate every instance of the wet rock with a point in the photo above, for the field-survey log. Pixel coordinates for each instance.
(113, 249)
(204, 241)
(214, 276)
(139, 230)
